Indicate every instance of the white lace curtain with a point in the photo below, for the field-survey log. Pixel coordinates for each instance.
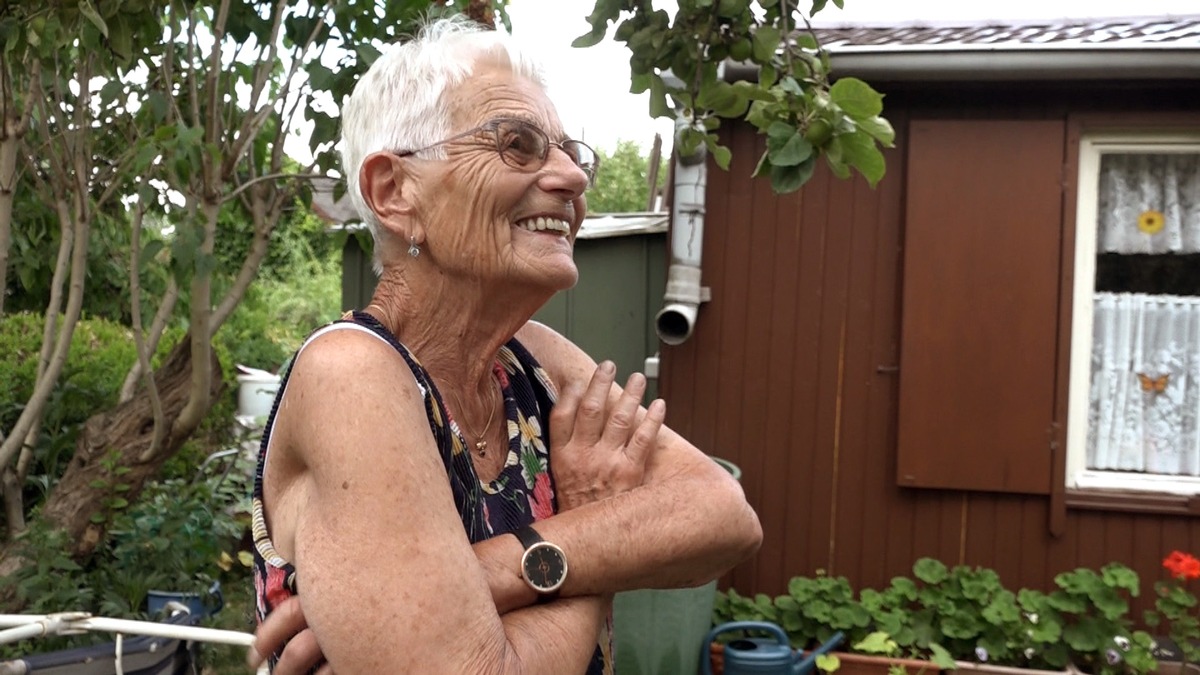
(1149, 203)
(1145, 392)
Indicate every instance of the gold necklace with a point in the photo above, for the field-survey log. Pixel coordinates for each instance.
(480, 442)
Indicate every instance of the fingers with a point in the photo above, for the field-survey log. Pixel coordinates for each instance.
(591, 417)
(562, 416)
(624, 414)
(282, 623)
(645, 436)
(300, 656)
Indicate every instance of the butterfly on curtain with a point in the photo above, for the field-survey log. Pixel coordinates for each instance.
(1156, 385)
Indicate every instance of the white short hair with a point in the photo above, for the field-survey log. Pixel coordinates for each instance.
(400, 103)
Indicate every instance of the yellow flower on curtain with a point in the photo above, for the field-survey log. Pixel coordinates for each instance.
(1151, 221)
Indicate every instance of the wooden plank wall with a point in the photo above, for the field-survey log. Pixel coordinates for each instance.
(788, 374)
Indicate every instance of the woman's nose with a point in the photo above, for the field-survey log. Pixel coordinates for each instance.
(562, 174)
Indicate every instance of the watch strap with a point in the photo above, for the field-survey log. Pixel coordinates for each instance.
(528, 537)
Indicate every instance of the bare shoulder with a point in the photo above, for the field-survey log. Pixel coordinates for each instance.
(561, 358)
(334, 390)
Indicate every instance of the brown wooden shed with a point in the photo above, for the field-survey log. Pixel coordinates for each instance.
(891, 368)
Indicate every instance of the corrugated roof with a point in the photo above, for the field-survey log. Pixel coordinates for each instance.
(604, 225)
(1142, 49)
(1167, 32)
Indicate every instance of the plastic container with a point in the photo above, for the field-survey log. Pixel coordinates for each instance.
(256, 393)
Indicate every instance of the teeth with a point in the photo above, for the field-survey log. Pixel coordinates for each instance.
(542, 223)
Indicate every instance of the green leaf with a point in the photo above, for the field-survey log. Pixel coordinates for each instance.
(805, 40)
(828, 663)
(930, 571)
(1117, 575)
(97, 518)
(89, 10)
(319, 76)
(793, 152)
(715, 95)
(856, 98)
(785, 179)
(366, 53)
(779, 133)
(879, 129)
(941, 657)
(766, 42)
(658, 98)
(149, 251)
(157, 103)
(791, 86)
(817, 6)
(589, 39)
(721, 155)
(731, 9)
(877, 643)
(752, 91)
(639, 83)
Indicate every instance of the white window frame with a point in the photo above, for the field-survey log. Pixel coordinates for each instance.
(1091, 148)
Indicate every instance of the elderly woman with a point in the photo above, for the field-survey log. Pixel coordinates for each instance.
(446, 486)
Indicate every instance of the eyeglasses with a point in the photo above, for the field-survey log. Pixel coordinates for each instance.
(523, 146)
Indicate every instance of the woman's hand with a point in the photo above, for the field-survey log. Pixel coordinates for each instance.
(599, 449)
(287, 624)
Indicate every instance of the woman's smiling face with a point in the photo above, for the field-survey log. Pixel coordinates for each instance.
(492, 221)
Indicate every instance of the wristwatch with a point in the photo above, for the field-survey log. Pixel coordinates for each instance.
(544, 566)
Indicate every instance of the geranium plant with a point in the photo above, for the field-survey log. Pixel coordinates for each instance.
(1175, 605)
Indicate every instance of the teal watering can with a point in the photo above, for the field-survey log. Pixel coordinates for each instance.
(763, 656)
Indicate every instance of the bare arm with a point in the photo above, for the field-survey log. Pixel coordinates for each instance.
(687, 524)
(359, 500)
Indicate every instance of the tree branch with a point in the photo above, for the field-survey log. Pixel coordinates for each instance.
(270, 176)
(139, 340)
(165, 309)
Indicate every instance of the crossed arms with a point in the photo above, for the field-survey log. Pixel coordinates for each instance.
(388, 579)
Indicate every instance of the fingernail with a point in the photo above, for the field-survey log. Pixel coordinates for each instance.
(608, 367)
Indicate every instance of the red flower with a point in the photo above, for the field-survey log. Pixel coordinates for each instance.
(542, 508)
(1182, 565)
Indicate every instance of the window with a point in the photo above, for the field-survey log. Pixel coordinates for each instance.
(1134, 404)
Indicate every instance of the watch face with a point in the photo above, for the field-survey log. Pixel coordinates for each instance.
(544, 567)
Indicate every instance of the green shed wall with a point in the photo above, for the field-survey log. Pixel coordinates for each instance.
(609, 313)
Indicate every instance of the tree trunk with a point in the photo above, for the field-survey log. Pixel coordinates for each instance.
(118, 438)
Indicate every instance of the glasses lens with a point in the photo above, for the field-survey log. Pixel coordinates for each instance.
(583, 155)
(521, 145)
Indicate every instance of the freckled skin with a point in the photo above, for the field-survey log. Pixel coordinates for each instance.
(473, 200)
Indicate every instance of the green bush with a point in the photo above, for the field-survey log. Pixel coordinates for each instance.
(101, 353)
(180, 535)
(277, 314)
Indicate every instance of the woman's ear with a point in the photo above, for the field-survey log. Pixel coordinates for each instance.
(385, 185)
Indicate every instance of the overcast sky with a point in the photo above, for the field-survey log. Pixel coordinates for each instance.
(591, 86)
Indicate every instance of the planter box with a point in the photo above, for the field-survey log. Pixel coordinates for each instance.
(851, 664)
(1176, 668)
(973, 668)
(862, 664)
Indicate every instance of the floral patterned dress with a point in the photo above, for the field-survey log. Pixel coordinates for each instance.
(521, 494)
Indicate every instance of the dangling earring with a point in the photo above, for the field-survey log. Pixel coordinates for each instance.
(413, 249)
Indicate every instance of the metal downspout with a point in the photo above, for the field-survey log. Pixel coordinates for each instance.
(681, 301)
